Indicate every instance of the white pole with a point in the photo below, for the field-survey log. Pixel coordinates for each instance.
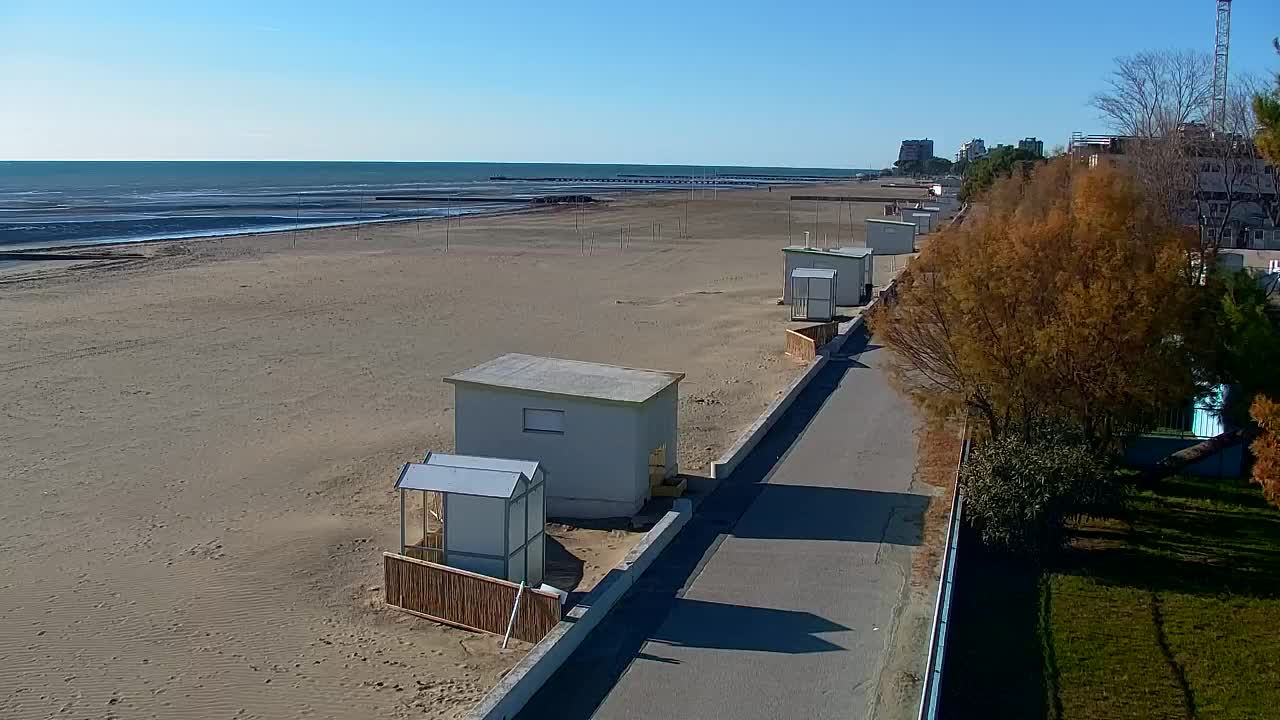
(806, 239)
(512, 623)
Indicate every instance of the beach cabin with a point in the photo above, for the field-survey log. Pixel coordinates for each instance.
(481, 514)
(603, 435)
(890, 237)
(813, 294)
(922, 219)
(853, 266)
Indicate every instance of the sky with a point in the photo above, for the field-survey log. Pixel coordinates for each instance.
(823, 83)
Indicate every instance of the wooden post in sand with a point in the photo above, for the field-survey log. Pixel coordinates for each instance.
(360, 217)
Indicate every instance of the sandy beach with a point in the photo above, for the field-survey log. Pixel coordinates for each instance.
(198, 447)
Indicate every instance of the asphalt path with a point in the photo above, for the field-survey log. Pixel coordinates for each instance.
(777, 599)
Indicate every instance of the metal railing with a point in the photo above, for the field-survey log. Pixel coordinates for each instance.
(930, 696)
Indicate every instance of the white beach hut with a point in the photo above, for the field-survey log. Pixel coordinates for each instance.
(606, 436)
(854, 265)
(813, 294)
(922, 219)
(890, 237)
(481, 514)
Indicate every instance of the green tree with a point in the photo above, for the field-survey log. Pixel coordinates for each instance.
(908, 167)
(982, 173)
(1238, 341)
(1266, 108)
(937, 166)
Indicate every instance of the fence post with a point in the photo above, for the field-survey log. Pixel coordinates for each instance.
(514, 608)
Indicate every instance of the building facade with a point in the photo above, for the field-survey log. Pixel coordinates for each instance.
(972, 150)
(915, 151)
(1032, 145)
(1234, 199)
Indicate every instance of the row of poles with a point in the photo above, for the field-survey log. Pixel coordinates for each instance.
(587, 238)
(839, 222)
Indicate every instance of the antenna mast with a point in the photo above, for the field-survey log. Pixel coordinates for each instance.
(1218, 113)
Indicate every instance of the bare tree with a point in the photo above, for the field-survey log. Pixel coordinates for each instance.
(1210, 178)
(1152, 93)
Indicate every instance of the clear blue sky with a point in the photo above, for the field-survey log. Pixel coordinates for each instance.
(834, 83)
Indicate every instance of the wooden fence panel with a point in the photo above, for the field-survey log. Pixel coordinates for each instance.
(466, 599)
(804, 342)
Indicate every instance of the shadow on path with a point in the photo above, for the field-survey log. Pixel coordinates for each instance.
(704, 624)
(587, 677)
(804, 512)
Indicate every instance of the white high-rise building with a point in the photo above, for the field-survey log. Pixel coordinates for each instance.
(972, 150)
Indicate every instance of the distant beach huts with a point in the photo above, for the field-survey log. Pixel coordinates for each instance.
(922, 219)
(853, 266)
(604, 435)
(890, 237)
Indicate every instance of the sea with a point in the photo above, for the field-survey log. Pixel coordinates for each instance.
(69, 203)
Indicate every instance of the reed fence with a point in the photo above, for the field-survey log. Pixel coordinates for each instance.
(467, 600)
(805, 342)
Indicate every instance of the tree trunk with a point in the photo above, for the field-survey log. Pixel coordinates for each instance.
(1177, 461)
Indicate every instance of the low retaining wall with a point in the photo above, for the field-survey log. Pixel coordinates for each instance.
(466, 599)
(804, 342)
(509, 696)
(931, 694)
(1146, 451)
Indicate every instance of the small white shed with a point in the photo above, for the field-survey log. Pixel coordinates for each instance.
(491, 515)
(891, 237)
(852, 264)
(604, 435)
(813, 293)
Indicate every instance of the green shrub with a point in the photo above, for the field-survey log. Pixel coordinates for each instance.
(1019, 494)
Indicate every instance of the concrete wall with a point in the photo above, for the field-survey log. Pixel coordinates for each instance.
(506, 699)
(891, 239)
(659, 425)
(1147, 450)
(851, 273)
(598, 468)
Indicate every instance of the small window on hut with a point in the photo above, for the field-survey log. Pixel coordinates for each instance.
(544, 421)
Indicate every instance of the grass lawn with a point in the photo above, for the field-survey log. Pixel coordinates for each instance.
(1171, 610)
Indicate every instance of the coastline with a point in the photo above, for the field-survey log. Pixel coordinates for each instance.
(613, 195)
(232, 415)
(197, 237)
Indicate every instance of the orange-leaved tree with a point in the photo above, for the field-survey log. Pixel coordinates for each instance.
(1266, 448)
(1065, 299)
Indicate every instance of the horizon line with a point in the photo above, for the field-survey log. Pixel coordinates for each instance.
(438, 162)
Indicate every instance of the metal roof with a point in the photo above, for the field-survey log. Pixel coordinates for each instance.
(572, 378)
(466, 475)
(813, 273)
(857, 252)
(526, 467)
